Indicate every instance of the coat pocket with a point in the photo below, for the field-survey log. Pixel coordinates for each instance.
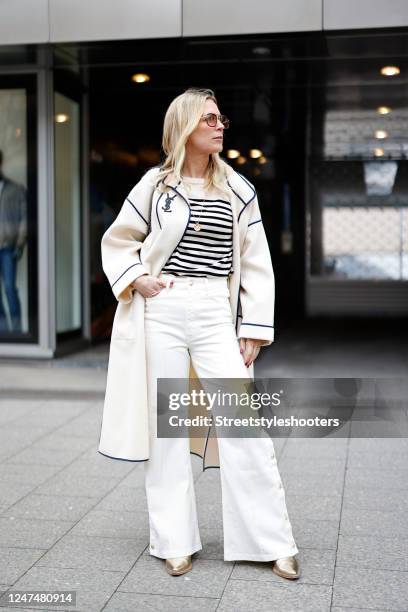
(126, 322)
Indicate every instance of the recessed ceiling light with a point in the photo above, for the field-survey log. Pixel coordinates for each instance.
(383, 110)
(390, 70)
(255, 153)
(140, 77)
(381, 134)
(61, 118)
(233, 153)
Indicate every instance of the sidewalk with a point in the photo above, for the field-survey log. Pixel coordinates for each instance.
(71, 519)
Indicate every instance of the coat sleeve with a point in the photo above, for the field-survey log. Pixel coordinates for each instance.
(121, 242)
(257, 285)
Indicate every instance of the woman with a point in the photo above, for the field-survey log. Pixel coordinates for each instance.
(188, 261)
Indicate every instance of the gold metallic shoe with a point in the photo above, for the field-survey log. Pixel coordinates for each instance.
(287, 567)
(179, 565)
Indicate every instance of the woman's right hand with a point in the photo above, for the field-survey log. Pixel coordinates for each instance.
(148, 285)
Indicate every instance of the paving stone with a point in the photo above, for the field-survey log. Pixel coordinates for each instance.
(136, 478)
(316, 567)
(12, 439)
(51, 414)
(364, 499)
(94, 464)
(129, 602)
(59, 441)
(372, 522)
(210, 515)
(316, 448)
(365, 588)
(11, 492)
(207, 578)
(16, 561)
(67, 483)
(87, 425)
(93, 587)
(35, 474)
(315, 534)
(117, 524)
(385, 460)
(128, 499)
(301, 483)
(25, 533)
(313, 507)
(375, 478)
(83, 552)
(12, 409)
(378, 445)
(47, 507)
(43, 456)
(373, 552)
(262, 596)
(337, 609)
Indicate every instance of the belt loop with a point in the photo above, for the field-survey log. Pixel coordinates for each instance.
(206, 286)
(168, 281)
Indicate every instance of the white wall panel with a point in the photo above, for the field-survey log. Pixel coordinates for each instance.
(245, 17)
(349, 14)
(80, 20)
(23, 21)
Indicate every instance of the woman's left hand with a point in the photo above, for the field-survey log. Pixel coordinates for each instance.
(249, 348)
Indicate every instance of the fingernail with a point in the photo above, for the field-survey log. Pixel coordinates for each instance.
(241, 350)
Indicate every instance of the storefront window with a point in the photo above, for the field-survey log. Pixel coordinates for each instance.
(17, 216)
(358, 196)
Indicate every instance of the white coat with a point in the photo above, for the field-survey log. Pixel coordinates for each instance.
(140, 240)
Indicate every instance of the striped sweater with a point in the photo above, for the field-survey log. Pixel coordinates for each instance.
(207, 252)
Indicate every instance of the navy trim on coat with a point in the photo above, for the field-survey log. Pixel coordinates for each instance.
(157, 213)
(139, 213)
(136, 264)
(239, 197)
(257, 221)
(121, 459)
(256, 324)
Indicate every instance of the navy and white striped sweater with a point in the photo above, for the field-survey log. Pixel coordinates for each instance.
(209, 251)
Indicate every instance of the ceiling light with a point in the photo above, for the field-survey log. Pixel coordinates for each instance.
(381, 134)
(383, 110)
(233, 153)
(390, 70)
(255, 153)
(140, 77)
(61, 118)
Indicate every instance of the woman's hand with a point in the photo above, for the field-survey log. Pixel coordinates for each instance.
(249, 348)
(149, 285)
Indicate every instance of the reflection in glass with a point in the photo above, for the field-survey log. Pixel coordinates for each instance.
(358, 202)
(13, 213)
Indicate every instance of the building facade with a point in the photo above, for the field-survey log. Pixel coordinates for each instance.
(316, 91)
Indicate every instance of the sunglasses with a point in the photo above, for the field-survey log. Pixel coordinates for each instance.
(211, 119)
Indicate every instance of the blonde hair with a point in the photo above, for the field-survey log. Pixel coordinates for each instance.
(181, 119)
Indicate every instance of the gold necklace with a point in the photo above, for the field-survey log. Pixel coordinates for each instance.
(196, 225)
